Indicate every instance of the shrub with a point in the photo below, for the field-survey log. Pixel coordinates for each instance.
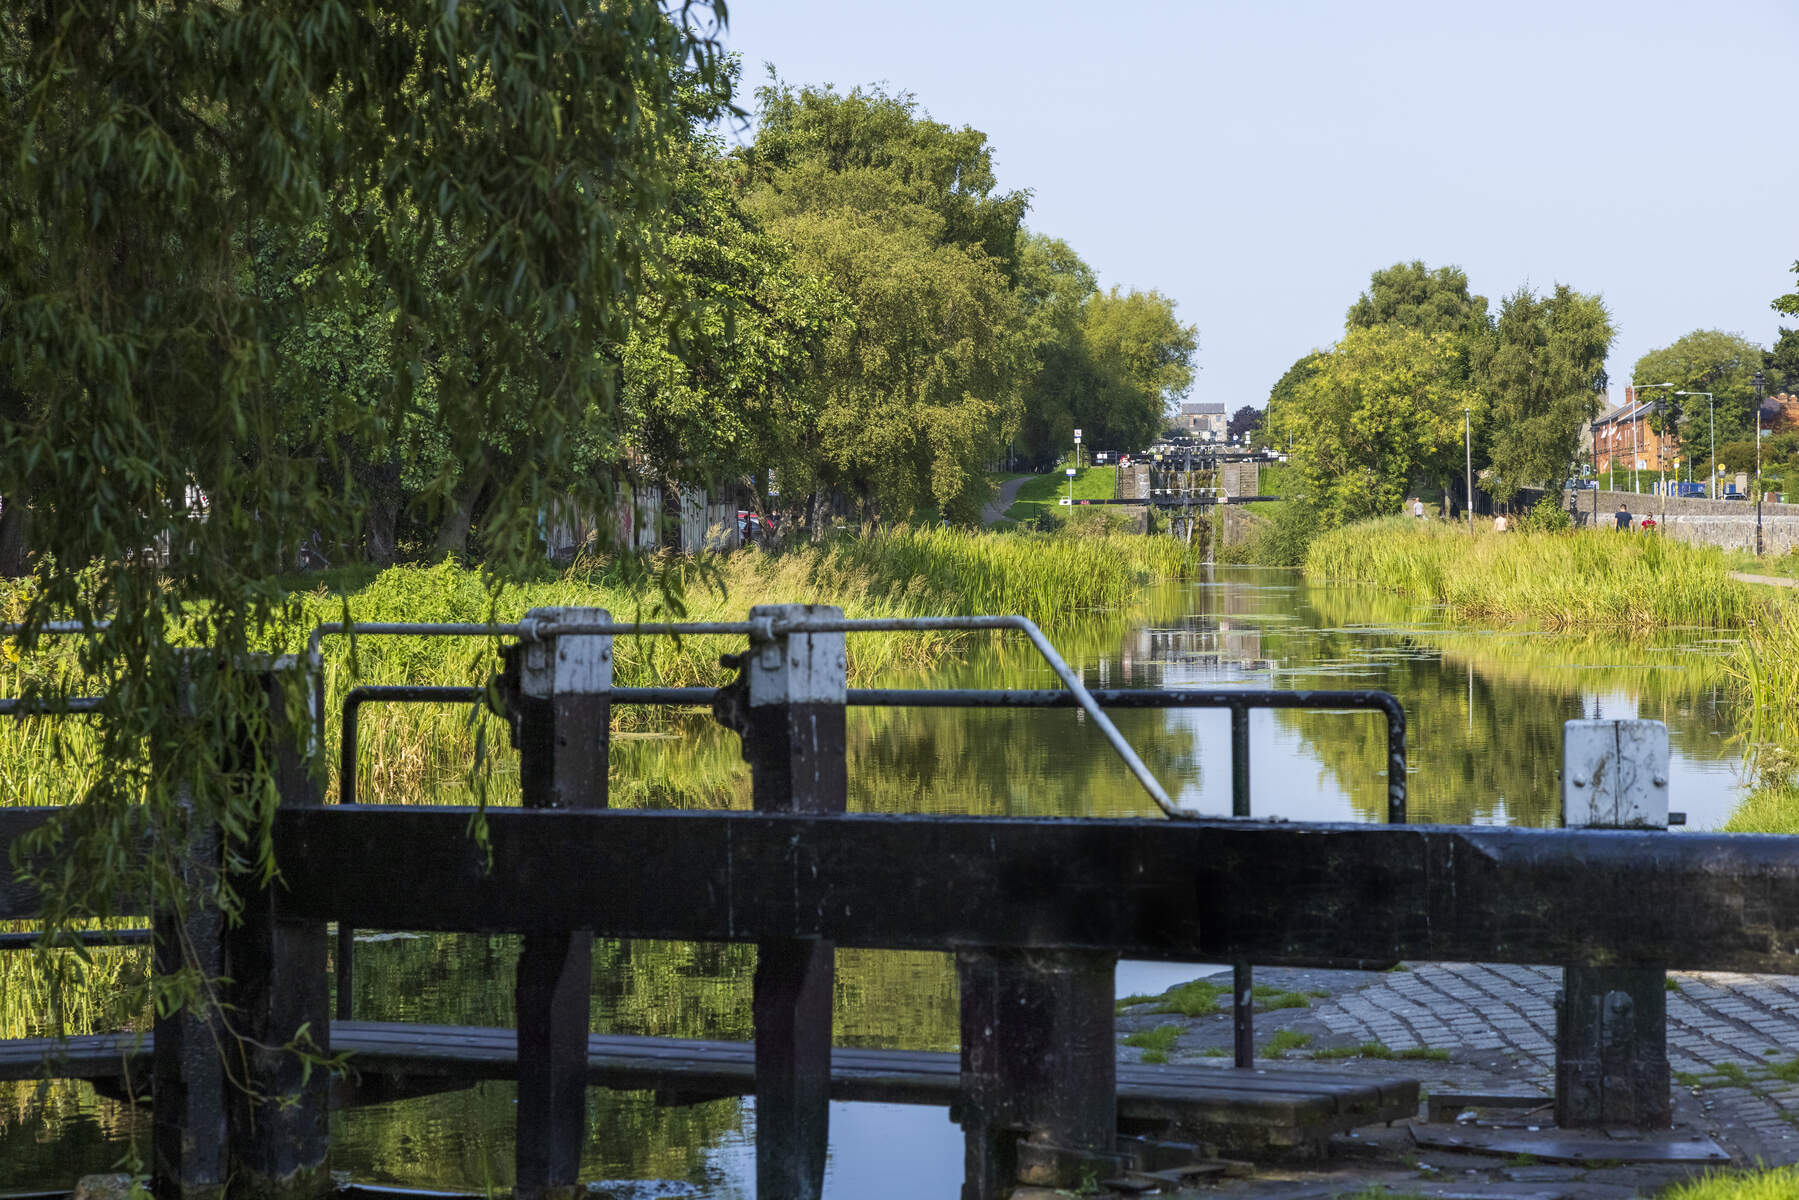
(1546, 516)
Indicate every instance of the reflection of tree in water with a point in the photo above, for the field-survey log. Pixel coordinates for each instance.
(465, 1139)
(1484, 712)
(52, 1133)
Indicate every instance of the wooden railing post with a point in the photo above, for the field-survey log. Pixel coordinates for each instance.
(793, 738)
(1611, 1036)
(280, 995)
(559, 692)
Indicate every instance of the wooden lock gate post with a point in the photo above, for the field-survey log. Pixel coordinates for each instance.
(1611, 1031)
(262, 1119)
(558, 690)
(1039, 1070)
(788, 707)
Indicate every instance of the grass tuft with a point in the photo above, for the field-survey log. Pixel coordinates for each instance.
(1286, 1040)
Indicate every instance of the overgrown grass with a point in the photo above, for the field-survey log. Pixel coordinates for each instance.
(1585, 579)
(1200, 998)
(1782, 1183)
(422, 751)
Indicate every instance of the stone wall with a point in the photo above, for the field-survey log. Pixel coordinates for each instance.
(1726, 523)
(1238, 522)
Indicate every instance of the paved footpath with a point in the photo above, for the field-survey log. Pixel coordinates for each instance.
(1733, 1044)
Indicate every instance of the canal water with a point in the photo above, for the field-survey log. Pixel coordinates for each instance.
(1485, 711)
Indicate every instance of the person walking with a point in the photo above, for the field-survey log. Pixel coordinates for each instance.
(1622, 516)
(1499, 525)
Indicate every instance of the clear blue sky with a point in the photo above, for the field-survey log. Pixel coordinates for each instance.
(1256, 161)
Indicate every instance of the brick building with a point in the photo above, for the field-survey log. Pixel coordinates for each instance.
(1625, 432)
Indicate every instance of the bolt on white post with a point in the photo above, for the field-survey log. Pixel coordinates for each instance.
(1615, 774)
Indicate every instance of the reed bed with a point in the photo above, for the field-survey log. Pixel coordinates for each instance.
(1583, 579)
(423, 752)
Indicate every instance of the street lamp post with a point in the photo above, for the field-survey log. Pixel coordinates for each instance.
(1711, 417)
(1761, 381)
(1468, 462)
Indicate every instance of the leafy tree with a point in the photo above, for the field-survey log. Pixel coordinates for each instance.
(1108, 362)
(922, 387)
(147, 147)
(1538, 382)
(1789, 303)
(1284, 395)
(1781, 364)
(720, 373)
(1245, 421)
(1380, 409)
(1416, 297)
(1706, 360)
(1053, 286)
(1143, 357)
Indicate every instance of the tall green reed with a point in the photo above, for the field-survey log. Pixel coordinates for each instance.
(1583, 579)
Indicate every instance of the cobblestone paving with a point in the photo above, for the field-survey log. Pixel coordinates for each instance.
(1727, 1034)
(1733, 1043)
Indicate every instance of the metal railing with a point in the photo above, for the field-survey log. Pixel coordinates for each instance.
(1076, 694)
(1238, 701)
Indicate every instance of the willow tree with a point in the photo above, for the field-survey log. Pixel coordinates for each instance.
(147, 148)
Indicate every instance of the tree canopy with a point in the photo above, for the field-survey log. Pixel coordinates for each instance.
(1706, 360)
(1414, 296)
(1525, 378)
(456, 198)
(1538, 383)
(1789, 303)
(1245, 421)
(1384, 406)
(1781, 364)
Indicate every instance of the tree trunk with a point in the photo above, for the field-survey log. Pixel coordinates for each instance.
(453, 532)
(15, 540)
(670, 535)
(381, 490)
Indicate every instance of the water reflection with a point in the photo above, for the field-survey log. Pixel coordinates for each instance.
(1484, 713)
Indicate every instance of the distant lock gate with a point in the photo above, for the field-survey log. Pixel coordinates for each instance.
(1036, 912)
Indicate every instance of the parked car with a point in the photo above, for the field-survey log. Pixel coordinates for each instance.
(1731, 493)
(1576, 485)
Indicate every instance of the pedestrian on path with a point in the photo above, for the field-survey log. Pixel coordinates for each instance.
(1623, 516)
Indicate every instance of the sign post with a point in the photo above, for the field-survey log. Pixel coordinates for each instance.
(1071, 485)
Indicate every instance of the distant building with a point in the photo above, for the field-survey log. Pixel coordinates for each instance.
(1624, 436)
(1201, 418)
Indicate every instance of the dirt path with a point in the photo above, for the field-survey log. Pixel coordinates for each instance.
(1770, 580)
(1008, 492)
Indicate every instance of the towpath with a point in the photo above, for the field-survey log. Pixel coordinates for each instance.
(1008, 492)
(1770, 580)
(1733, 1044)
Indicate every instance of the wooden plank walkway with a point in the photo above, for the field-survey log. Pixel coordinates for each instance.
(1276, 1106)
